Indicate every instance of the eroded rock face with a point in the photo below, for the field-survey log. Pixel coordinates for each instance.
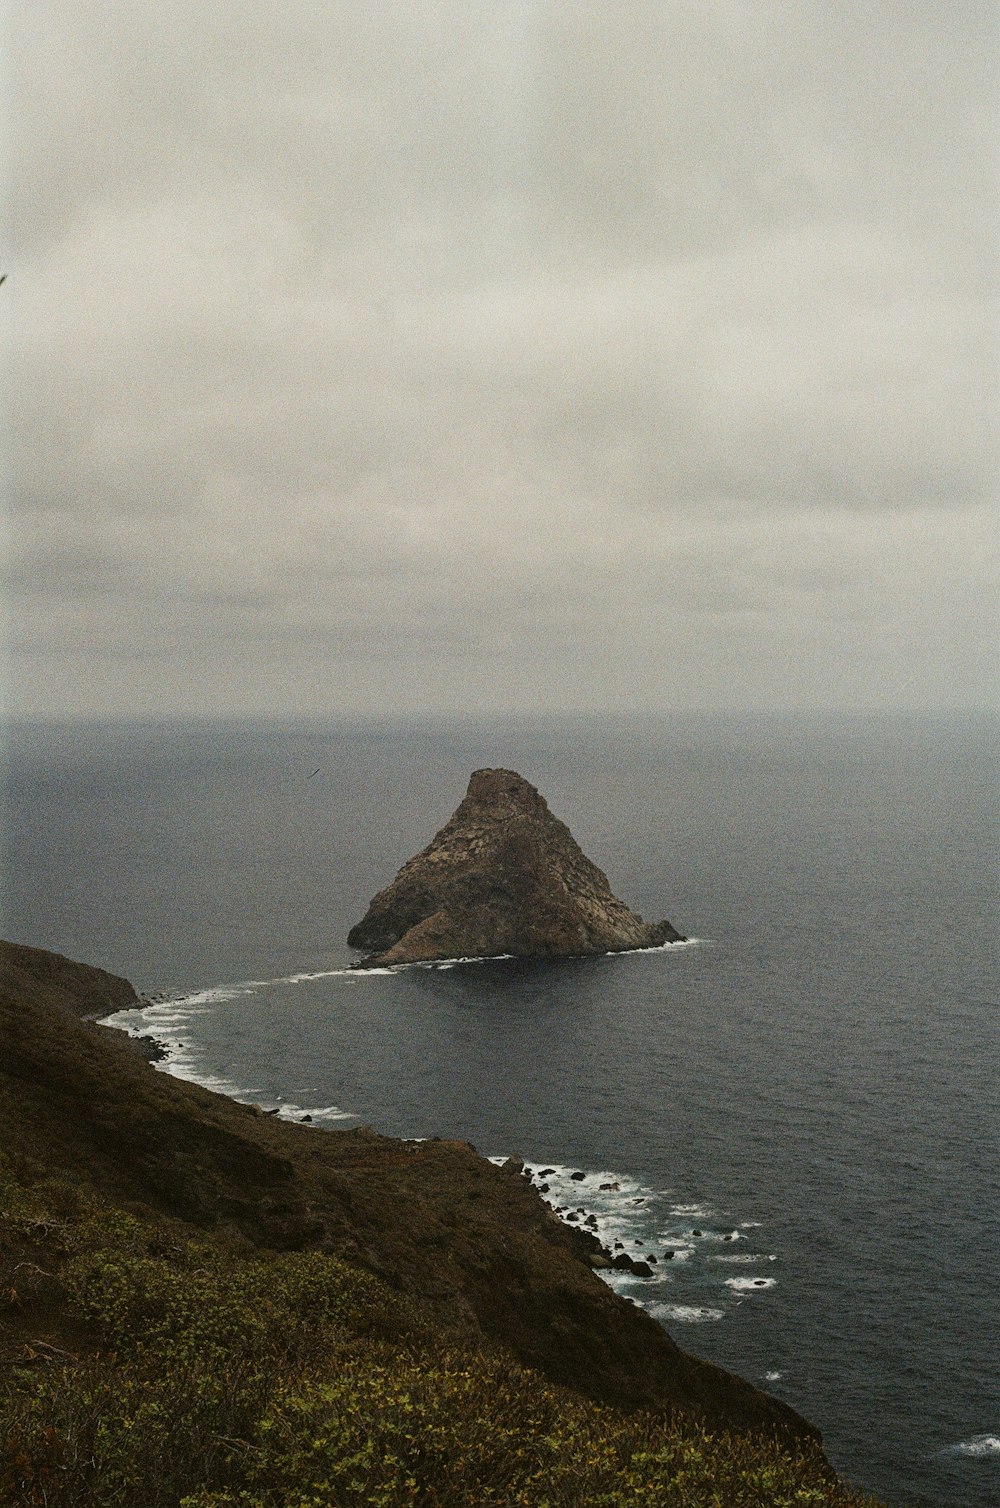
(502, 876)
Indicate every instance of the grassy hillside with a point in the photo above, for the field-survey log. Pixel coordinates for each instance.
(201, 1306)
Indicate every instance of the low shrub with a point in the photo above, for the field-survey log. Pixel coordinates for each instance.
(216, 1376)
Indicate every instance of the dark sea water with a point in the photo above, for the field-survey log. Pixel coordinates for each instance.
(811, 1086)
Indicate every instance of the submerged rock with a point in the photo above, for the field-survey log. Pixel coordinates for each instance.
(622, 1262)
(503, 876)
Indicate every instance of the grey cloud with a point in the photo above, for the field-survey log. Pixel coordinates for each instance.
(527, 340)
(674, 123)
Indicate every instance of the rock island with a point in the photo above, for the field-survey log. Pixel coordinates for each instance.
(503, 876)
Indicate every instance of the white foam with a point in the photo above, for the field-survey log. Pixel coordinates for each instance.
(979, 1445)
(666, 947)
(773, 1376)
(436, 963)
(645, 1223)
(290, 1112)
(304, 978)
(214, 995)
(449, 963)
(560, 1175)
(622, 1281)
(686, 1314)
(621, 1208)
(166, 1021)
(217, 994)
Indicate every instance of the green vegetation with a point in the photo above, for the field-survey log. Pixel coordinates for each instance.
(146, 1366)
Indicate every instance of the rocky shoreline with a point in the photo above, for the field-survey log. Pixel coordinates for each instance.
(581, 1224)
(144, 1043)
(148, 1047)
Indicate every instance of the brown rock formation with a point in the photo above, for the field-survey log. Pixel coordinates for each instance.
(503, 876)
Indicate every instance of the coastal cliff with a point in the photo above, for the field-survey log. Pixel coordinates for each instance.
(145, 1221)
(503, 876)
(433, 1218)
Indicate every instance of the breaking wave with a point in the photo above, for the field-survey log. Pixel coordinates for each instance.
(678, 1241)
(168, 1025)
(979, 1445)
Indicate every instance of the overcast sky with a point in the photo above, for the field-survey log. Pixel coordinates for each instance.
(417, 356)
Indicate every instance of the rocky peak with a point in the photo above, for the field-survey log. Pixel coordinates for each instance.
(500, 793)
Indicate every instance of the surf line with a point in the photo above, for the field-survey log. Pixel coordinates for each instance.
(160, 1024)
(661, 1253)
(213, 994)
(159, 1021)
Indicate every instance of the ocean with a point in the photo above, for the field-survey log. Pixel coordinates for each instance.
(795, 1112)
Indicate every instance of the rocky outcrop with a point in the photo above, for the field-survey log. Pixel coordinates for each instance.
(77, 987)
(503, 876)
